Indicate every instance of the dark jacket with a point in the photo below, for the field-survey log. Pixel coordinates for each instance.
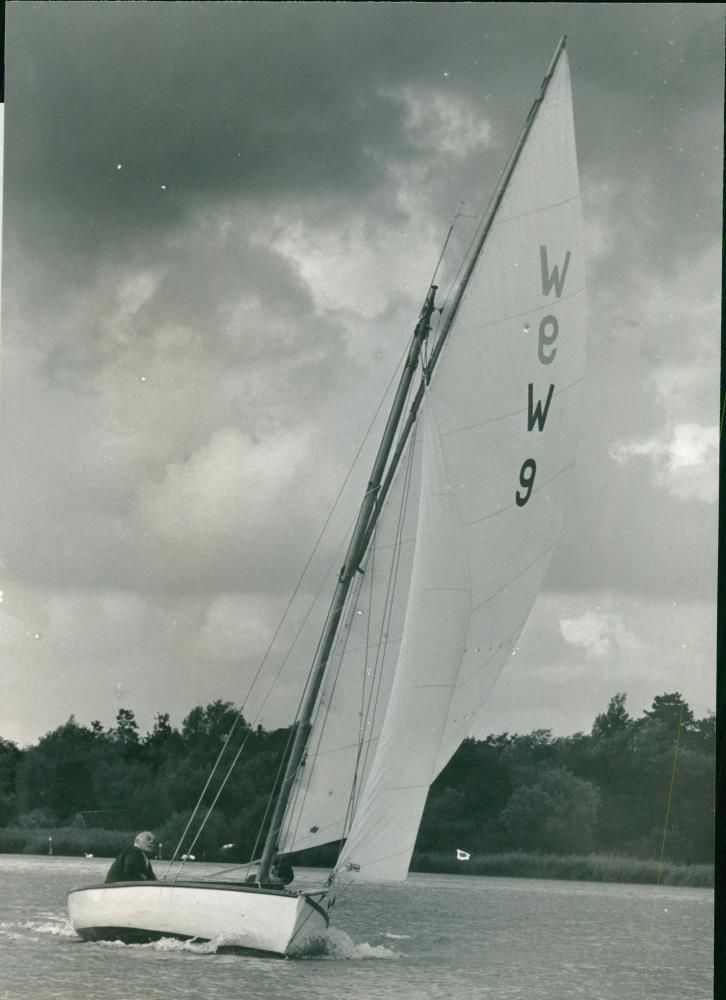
(131, 865)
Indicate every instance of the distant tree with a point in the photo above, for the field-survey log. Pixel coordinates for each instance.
(701, 735)
(205, 730)
(127, 730)
(446, 821)
(614, 720)
(57, 774)
(205, 845)
(557, 813)
(162, 727)
(529, 753)
(162, 742)
(10, 756)
(670, 710)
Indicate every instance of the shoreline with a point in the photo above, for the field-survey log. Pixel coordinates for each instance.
(591, 867)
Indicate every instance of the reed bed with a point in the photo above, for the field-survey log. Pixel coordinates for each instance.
(69, 841)
(580, 867)
(76, 842)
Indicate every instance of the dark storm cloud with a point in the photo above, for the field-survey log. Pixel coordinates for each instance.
(288, 100)
(206, 101)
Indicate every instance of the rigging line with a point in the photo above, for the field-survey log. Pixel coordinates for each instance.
(661, 860)
(459, 214)
(336, 657)
(328, 693)
(396, 546)
(381, 649)
(388, 604)
(337, 653)
(327, 521)
(268, 806)
(457, 277)
(299, 789)
(274, 680)
(443, 251)
(323, 582)
(221, 788)
(470, 248)
(203, 793)
(369, 627)
(273, 791)
(326, 576)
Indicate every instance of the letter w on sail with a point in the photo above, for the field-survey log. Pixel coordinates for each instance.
(553, 277)
(537, 414)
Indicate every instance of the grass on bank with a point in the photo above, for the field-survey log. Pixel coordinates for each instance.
(580, 867)
(75, 842)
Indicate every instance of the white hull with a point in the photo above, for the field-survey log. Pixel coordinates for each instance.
(272, 921)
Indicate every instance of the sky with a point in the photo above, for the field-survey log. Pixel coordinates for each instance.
(220, 222)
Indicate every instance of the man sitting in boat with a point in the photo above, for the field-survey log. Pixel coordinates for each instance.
(132, 864)
(281, 873)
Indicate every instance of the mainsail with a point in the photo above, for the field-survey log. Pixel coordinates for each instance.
(476, 512)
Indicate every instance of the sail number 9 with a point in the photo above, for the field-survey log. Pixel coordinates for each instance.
(526, 478)
(549, 329)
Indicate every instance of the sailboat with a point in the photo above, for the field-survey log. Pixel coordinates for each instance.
(451, 544)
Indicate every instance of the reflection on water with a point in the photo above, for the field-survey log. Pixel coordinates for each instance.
(434, 936)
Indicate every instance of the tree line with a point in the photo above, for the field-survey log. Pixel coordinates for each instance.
(637, 786)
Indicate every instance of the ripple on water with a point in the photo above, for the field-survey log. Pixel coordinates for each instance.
(57, 928)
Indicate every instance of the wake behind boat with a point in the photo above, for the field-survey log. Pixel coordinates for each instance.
(452, 541)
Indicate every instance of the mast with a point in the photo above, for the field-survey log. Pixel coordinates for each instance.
(382, 476)
(367, 517)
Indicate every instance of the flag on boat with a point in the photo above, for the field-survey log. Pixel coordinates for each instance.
(462, 855)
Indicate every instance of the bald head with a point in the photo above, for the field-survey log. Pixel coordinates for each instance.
(146, 841)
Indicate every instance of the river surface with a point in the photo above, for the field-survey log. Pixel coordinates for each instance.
(435, 936)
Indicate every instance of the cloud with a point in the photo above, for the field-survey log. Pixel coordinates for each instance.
(577, 650)
(685, 464)
(448, 125)
(597, 633)
(226, 489)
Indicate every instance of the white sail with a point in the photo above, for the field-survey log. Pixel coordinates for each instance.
(501, 419)
(507, 397)
(388, 816)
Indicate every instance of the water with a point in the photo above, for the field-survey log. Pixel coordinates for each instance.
(434, 936)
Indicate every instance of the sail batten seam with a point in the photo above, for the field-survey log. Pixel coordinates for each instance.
(543, 307)
(508, 416)
(514, 578)
(536, 211)
(510, 506)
